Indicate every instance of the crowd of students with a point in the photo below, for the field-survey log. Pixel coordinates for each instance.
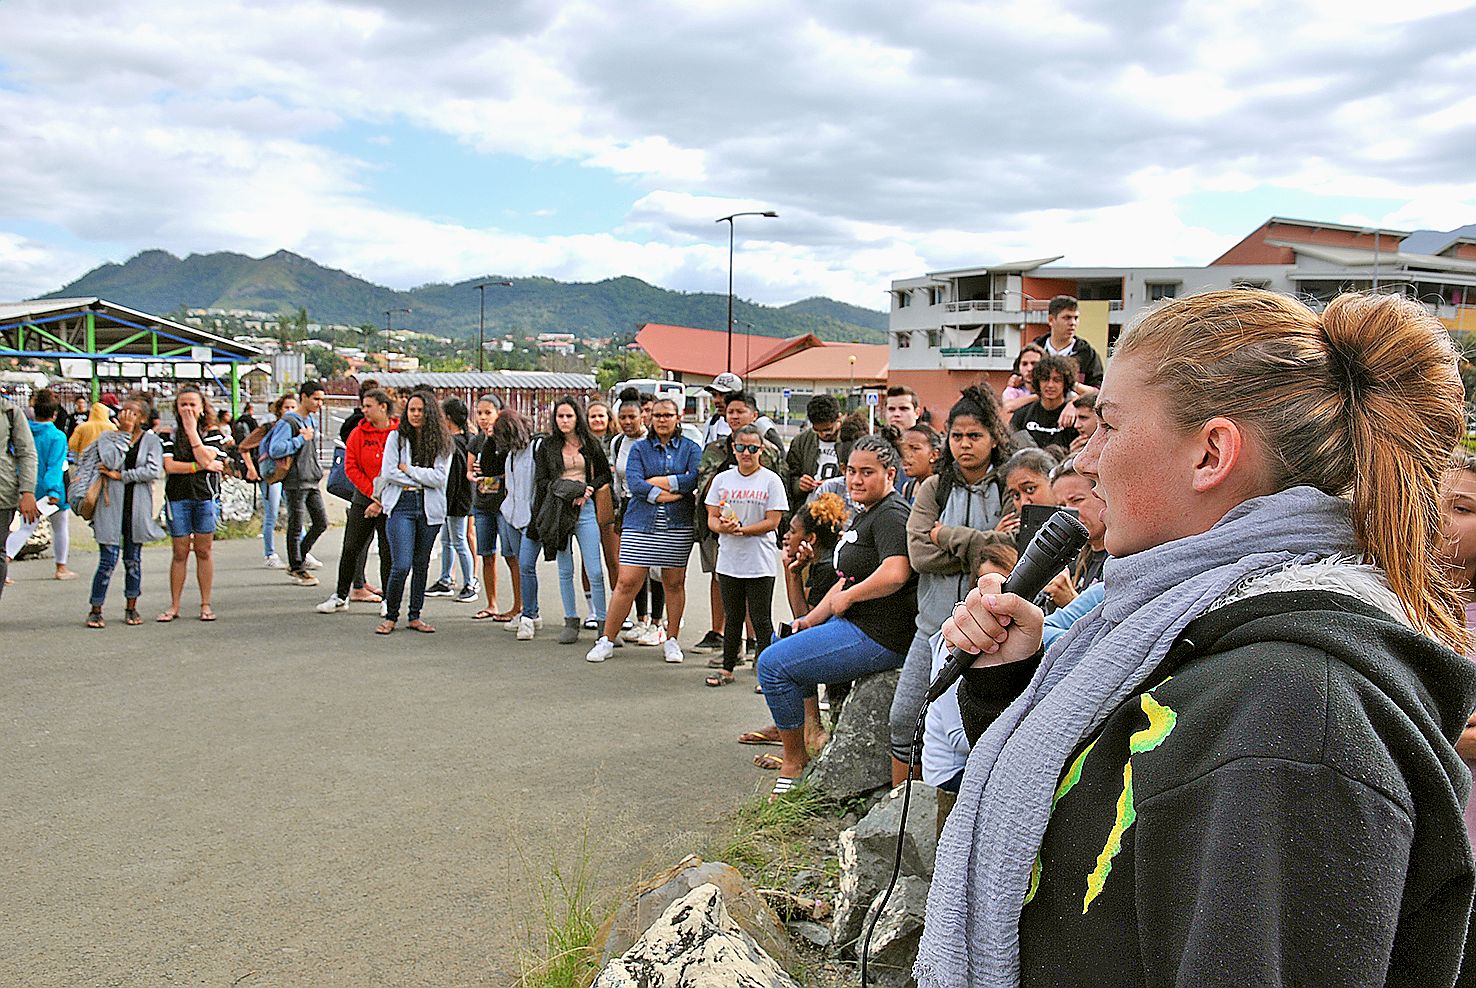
(1280, 561)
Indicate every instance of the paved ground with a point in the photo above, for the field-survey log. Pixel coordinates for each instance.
(283, 798)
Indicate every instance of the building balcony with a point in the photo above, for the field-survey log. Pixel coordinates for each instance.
(976, 358)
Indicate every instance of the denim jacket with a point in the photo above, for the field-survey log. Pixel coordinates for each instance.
(650, 458)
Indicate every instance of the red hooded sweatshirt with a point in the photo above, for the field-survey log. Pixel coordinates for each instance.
(365, 453)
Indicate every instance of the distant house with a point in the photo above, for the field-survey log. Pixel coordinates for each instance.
(804, 365)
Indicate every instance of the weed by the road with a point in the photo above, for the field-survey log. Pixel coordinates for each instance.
(571, 916)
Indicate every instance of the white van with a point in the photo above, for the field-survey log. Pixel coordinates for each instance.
(661, 389)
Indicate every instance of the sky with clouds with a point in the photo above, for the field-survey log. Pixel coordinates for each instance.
(412, 141)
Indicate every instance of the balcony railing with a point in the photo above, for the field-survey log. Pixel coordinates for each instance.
(976, 351)
(1008, 305)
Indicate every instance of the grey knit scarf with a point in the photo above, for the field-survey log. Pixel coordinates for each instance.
(995, 830)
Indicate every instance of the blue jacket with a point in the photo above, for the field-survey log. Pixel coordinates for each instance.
(649, 458)
(51, 461)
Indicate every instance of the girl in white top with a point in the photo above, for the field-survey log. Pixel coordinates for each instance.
(744, 506)
(412, 489)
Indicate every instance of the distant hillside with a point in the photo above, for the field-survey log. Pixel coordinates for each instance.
(157, 281)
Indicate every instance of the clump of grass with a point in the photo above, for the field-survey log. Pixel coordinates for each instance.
(572, 914)
(773, 844)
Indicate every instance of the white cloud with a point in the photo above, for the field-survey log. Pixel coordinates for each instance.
(890, 140)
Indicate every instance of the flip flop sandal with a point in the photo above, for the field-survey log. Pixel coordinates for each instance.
(769, 762)
(484, 614)
(506, 616)
(206, 614)
(782, 786)
(167, 617)
(718, 679)
(758, 737)
(95, 620)
(131, 616)
(421, 627)
(384, 628)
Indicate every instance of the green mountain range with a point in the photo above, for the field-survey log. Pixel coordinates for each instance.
(157, 281)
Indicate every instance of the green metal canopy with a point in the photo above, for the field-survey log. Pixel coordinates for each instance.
(117, 341)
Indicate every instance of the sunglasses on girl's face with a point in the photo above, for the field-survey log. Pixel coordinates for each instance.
(745, 448)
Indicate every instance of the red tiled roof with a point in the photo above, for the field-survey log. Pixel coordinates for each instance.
(704, 352)
(829, 362)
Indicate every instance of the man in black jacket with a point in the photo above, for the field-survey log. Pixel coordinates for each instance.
(816, 455)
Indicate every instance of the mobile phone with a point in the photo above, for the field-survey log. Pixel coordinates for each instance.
(785, 629)
(1032, 517)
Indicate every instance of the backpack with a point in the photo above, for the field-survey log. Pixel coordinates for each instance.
(269, 470)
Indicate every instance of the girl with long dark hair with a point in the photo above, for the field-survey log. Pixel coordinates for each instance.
(575, 454)
(412, 482)
(130, 459)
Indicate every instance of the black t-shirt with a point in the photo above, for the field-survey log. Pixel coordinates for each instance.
(202, 486)
(130, 462)
(487, 492)
(875, 534)
(1042, 425)
(819, 580)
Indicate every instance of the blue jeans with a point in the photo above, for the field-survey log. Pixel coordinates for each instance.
(834, 652)
(588, 534)
(528, 553)
(487, 526)
(107, 559)
(512, 538)
(453, 540)
(271, 503)
(188, 518)
(411, 540)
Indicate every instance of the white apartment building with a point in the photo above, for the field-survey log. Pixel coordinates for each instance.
(949, 329)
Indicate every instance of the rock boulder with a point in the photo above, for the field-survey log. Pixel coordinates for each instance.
(695, 944)
(858, 759)
(742, 903)
(868, 851)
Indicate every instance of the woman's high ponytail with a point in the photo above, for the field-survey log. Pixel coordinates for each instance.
(1363, 401)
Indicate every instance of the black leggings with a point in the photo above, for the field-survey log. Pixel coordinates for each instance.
(358, 533)
(653, 591)
(754, 594)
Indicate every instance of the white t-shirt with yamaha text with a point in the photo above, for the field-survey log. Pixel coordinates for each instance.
(749, 498)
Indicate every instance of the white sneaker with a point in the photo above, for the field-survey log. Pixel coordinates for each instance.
(526, 626)
(653, 635)
(603, 649)
(633, 634)
(517, 622)
(274, 561)
(673, 651)
(311, 562)
(383, 609)
(334, 603)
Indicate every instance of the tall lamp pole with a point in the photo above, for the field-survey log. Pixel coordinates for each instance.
(482, 320)
(729, 220)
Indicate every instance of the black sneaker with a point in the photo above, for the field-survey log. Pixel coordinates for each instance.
(439, 589)
(711, 642)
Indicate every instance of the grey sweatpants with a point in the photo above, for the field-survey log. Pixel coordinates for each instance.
(912, 687)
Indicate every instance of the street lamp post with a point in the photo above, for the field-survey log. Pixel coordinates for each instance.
(729, 220)
(482, 320)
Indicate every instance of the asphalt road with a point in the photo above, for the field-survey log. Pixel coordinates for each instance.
(283, 798)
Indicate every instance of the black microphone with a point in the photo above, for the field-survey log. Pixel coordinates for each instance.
(1050, 551)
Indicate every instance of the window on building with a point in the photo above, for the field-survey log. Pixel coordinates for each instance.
(904, 298)
(935, 296)
(935, 338)
(1162, 290)
(904, 341)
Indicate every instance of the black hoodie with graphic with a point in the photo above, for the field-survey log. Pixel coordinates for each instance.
(1280, 804)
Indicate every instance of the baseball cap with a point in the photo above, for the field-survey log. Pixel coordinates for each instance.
(726, 383)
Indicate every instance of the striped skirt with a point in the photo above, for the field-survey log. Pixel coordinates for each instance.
(668, 548)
